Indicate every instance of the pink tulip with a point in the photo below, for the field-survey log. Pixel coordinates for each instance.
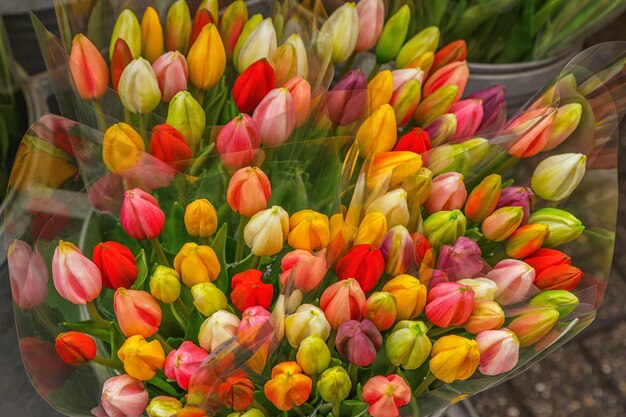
(303, 270)
(450, 304)
(300, 90)
(454, 73)
(358, 342)
(137, 312)
(371, 19)
(469, 114)
(124, 396)
(514, 279)
(141, 216)
(385, 394)
(499, 351)
(448, 193)
(183, 362)
(171, 74)
(75, 277)
(275, 117)
(238, 142)
(107, 193)
(461, 260)
(28, 274)
(253, 319)
(342, 301)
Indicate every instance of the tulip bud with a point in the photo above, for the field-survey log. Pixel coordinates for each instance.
(200, 218)
(217, 329)
(233, 20)
(365, 263)
(211, 6)
(301, 64)
(556, 177)
(444, 227)
(378, 133)
(397, 250)
(202, 18)
(559, 277)
(75, 348)
(371, 17)
(170, 70)
(266, 231)
(124, 396)
(116, 264)
(249, 191)
(469, 114)
(454, 358)
(418, 187)
(88, 68)
(564, 227)
(531, 131)
(372, 229)
(410, 295)
(170, 146)
(425, 41)
(416, 141)
(307, 321)
(567, 119)
(187, 116)
(141, 358)
(284, 62)
(28, 274)
(502, 223)
(238, 142)
(163, 406)
(208, 299)
(309, 231)
(514, 279)
(545, 258)
(494, 107)
(288, 387)
(380, 89)
(531, 327)
(347, 101)
(197, 264)
(122, 148)
(137, 312)
(449, 304)
(499, 351)
(141, 216)
(250, 25)
(75, 277)
(275, 117)
(165, 284)
(486, 315)
(461, 260)
(390, 169)
(518, 197)
(178, 27)
(127, 28)
(562, 300)
(302, 270)
(138, 88)
(334, 385)
(249, 290)
(300, 91)
(183, 362)
(435, 105)
(253, 85)
(448, 193)
(393, 35)
(151, 35)
(381, 309)
(406, 93)
(442, 129)
(423, 62)
(526, 240)
(260, 43)
(484, 288)
(455, 73)
(408, 345)
(313, 355)
(236, 393)
(342, 27)
(484, 198)
(121, 58)
(452, 52)
(358, 342)
(393, 205)
(339, 301)
(207, 59)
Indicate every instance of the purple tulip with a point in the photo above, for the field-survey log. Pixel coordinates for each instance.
(494, 108)
(358, 342)
(518, 197)
(461, 260)
(347, 100)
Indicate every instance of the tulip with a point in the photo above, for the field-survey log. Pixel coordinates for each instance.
(116, 264)
(288, 387)
(124, 396)
(266, 231)
(378, 133)
(365, 263)
(397, 250)
(545, 258)
(211, 6)
(138, 88)
(127, 28)
(418, 187)
(380, 90)
(567, 120)
(423, 42)
(342, 29)
(309, 230)
(564, 226)
(392, 168)
(171, 73)
(410, 295)
(372, 229)
(384, 394)
(151, 35)
(442, 129)
(408, 345)
(275, 117)
(313, 355)
(518, 197)
(249, 191)
(238, 142)
(121, 58)
(75, 277)
(236, 393)
(302, 270)
(531, 327)
(502, 223)
(300, 91)
(260, 43)
(253, 85)
(89, 70)
(197, 264)
(532, 131)
(163, 406)
(484, 198)
(187, 116)
(178, 27)
(556, 177)
(461, 260)
(200, 218)
(233, 20)
(141, 358)
(454, 358)
(455, 73)
(421, 247)
(170, 146)
(499, 351)
(486, 315)
(469, 114)
(347, 100)
(285, 62)
(559, 277)
(165, 284)
(249, 290)
(202, 18)
(449, 304)
(381, 309)
(452, 52)
(484, 288)
(393, 205)
(301, 57)
(494, 107)
(423, 62)
(371, 17)
(444, 227)
(141, 216)
(416, 141)
(251, 412)
(358, 342)
(562, 300)
(75, 348)
(208, 299)
(250, 25)
(435, 105)
(183, 362)
(526, 240)
(207, 59)
(342, 301)
(122, 148)
(514, 279)
(307, 321)
(406, 93)
(448, 193)
(334, 385)
(28, 273)
(393, 35)
(137, 312)
(217, 329)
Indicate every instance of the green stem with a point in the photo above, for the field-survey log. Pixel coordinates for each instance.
(374, 71)
(143, 129)
(391, 370)
(430, 378)
(166, 107)
(336, 409)
(256, 262)
(440, 331)
(178, 316)
(239, 251)
(102, 123)
(182, 307)
(95, 315)
(354, 377)
(159, 252)
(109, 363)
(199, 96)
(331, 340)
(166, 347)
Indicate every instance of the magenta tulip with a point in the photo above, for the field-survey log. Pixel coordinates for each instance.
(141, 216)
(358, 342)
(183, 362)
(450, 304)
(238, 142)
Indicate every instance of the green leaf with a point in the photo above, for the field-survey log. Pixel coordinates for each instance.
(117, 340)
(163, 385)
(248, 262)
(89, 327)
(193, 327)
(142, 273)
(174, 234)
(219, 246)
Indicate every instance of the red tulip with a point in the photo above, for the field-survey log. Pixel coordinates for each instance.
(421, 247)
(559, 277)
(239, 141)
(450, 304)
(75, 348)
(140, 215)
(121, 57)
(252, 85)
(116, 264)
(545, 258)
(170, 146)
(203, 17)
(365, 263)
(416, 141)
(452, 52)
(250, 291)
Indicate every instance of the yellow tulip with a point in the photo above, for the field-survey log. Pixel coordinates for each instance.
(410, 295)
(454, 358)
(151, 35)
(207, 58)
(141, 358)
(266, 231)
(197, 264)
(380, 89)
(200, 218)
(309, 231)
(378, 133)
(208, 299)
(392, 168)
(122, 148)
(165, 284)
(372, 229)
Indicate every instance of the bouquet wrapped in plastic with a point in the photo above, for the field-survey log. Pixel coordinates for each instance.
(233, 229)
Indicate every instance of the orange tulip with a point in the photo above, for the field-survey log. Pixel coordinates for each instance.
(288, 386)
(88, 68)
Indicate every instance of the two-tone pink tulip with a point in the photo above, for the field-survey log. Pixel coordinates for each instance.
(76, 278)
(238, 142)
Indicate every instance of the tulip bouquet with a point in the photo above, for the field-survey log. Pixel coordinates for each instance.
(233, 229)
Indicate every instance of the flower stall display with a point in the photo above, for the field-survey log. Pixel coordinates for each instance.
(230, 218)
